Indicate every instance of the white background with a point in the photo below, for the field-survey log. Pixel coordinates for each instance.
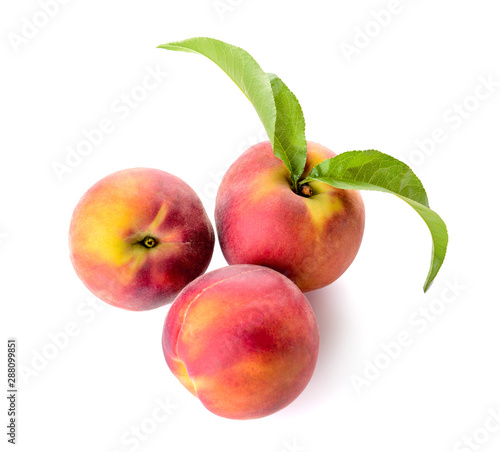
(100, 387)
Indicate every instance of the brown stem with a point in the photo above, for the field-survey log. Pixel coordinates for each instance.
(306, 191)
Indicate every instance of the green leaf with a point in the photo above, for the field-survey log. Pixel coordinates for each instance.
(276, 105)
(373, 170)
(289, 137)
(439, 234)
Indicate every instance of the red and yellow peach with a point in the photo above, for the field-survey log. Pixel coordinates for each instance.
(243, 339)
(138, 236)
(311, 239)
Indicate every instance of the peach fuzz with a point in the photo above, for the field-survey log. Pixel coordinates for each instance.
(261, 220)
(243, 339)
(139, 236)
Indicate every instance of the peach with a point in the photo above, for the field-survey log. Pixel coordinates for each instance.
(139, 236)
(243, 339)
(311, 237)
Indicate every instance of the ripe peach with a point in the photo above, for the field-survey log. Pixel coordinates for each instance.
(312, 239)
(138, 236)
(243, 339)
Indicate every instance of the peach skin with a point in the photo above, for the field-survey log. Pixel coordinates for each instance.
(311, 237)
(243, 339)
(138, 236)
